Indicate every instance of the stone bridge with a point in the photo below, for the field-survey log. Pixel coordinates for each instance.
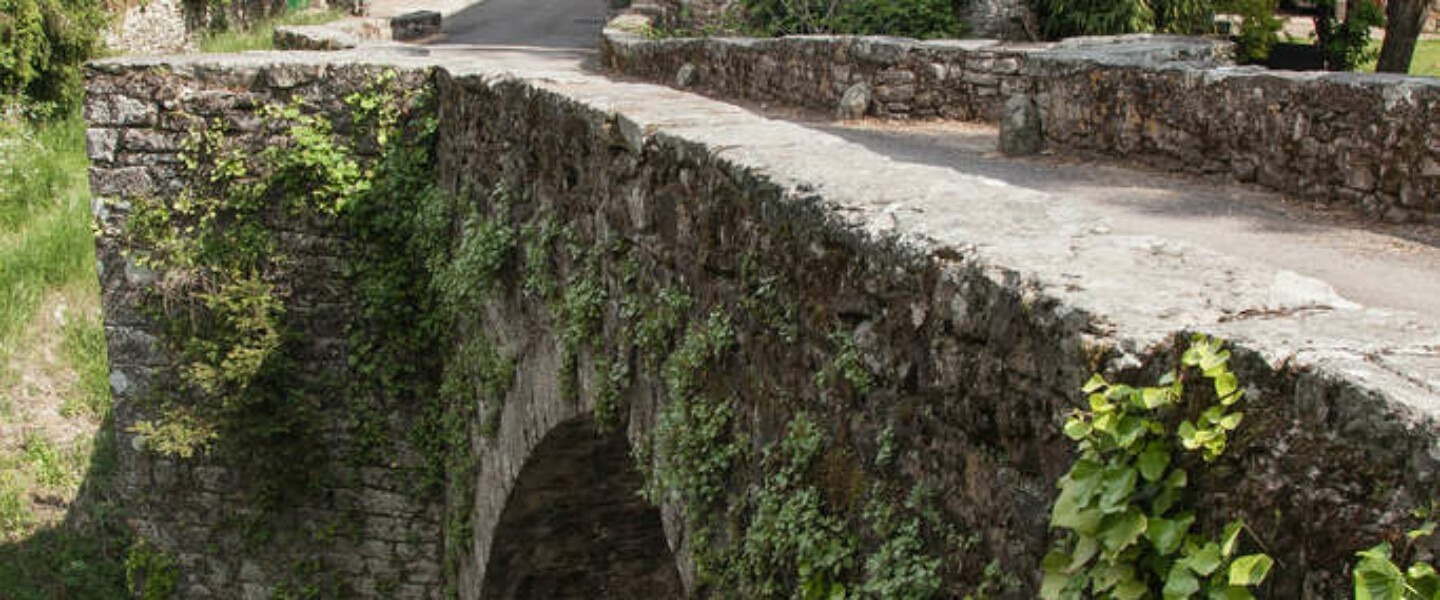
(702, 352)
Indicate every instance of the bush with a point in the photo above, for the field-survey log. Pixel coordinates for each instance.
(1257, 32)
(42, 45)
(1068, 18)
(1346, 43)
(923, 19)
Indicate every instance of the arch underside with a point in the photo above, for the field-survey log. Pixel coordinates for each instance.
(576, 527)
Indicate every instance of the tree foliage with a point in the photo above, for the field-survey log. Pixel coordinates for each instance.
(1068, 18)
(42, 45)
(1346, 41)
(923, 19)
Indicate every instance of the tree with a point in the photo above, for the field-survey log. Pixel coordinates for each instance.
(1403, 21)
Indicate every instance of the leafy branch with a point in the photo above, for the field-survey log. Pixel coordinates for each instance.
(1122, 502)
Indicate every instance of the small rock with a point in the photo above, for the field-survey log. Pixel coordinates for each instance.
(687, 75)
(854, 102)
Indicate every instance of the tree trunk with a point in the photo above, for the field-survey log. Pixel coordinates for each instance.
(1403, 21)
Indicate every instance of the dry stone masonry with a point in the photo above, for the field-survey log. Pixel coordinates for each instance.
(934, 327)
(1361, 141)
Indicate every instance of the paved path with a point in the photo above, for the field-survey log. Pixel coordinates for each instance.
(1387, 267)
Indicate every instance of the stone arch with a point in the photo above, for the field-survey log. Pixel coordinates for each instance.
(574, 525)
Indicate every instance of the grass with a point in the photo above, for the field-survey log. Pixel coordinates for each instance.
(1426, 60)
(60, 531)
(260, 36)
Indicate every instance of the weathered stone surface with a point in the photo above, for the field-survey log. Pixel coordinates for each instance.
(687, 75)
(312, 37)
(978, 307)
(415, 25)
(1020, 132)
(1173, 103)
(203, 510)
(854, 102)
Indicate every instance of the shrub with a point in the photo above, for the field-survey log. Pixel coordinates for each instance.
(1257, 32)
(1346, 43)
(42, 45)
(1067, 18)
(923, 19)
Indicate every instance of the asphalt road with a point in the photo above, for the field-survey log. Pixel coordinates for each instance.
(539, 24)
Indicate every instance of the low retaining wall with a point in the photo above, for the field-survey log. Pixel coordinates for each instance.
(1362, 141)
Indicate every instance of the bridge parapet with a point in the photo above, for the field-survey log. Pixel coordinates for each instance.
(1359, 141)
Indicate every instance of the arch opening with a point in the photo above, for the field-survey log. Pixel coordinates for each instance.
(576, 527)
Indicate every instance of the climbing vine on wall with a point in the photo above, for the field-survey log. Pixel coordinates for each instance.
(1131, 530)
(223, 278)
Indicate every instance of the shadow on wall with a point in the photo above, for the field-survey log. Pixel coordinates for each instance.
(576, 527)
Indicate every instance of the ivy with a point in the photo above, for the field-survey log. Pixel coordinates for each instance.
(847, 365)
(1378, 577)
(1130, 533)
(150, 573)
(792, 542)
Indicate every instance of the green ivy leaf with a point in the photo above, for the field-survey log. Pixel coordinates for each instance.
(1056, 579)
(1156, 397)
(1376, 577)
(1120, 531)
(1166, 534)
(1077, 428)
(1231, 421)
(1250, 569)
(1181, 583)
(1130, 590)
(1115, 489)
(1153, 461)
(1204, 561)
(1111, 576)
(1226, 384)
(1070, 514)
(1096, 382)
(1128, 431)
(1187, 432)
(1423, 580)
(1086, 547)
(1230, 537)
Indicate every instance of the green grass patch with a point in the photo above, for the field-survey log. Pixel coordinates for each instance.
(260, 36)
(45, 239)
(47, 251)
(83, 347)
(1426, 60)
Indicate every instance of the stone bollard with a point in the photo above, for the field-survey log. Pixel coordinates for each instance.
(854, 102)
(1020, 127)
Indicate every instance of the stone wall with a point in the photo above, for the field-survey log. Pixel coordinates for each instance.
(156, 27)
(244, 523)
(1360, 141)
(951, 317)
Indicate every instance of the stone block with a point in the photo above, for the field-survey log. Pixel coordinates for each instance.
(1020, 132)
(312, 37)
(100, 144)
(415, 25)
(854, 102)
